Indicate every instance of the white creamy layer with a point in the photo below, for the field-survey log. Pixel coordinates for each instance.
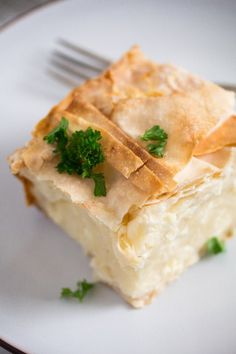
(155, 245)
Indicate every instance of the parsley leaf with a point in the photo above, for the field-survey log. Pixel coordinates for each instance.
(215, 246)
(154, 133)
(157, 149)
(83, 287)
(159, 136)
(58, 135)
(79, 153)
(100, 187)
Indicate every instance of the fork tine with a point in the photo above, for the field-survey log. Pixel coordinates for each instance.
(62, 78)
(86, 52)
(77, 62)
(69, 69)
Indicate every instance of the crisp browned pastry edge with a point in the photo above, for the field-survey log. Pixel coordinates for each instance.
(224, 135)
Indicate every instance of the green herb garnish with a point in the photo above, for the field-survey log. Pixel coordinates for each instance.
(159, 138)
(215, 246)
(83, 287)
(100, 187)
(79, 153)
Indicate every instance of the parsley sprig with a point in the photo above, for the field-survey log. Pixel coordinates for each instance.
(79, 153)
(83, 287)
(215, 246)
(159, 138)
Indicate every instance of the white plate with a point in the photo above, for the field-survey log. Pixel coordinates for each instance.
(197, 314)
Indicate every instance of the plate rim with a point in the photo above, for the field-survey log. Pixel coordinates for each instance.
(10, 347)
(26, 13)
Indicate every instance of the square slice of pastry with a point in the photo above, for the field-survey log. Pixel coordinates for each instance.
(138, 166)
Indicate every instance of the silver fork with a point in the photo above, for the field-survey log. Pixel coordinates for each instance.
(83, 64)
(72, 62)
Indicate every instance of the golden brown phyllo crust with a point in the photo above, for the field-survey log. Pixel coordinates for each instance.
(131, 96)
